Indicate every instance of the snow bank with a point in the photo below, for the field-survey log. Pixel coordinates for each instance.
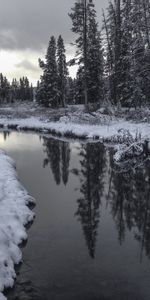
(14, 215)
(113, 131)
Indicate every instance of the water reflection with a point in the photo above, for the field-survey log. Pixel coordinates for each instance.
(6, 134)
(91, 232)
(127, 196)
(93, 161)
(130, 203)
(58, 156)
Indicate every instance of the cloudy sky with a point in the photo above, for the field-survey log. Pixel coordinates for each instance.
(25, 29)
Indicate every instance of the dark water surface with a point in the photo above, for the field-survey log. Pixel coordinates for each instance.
(91, 236)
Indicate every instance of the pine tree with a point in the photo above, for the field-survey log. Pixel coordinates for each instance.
(49, 79)
(70, 90)
(62, 71)
(79, 26)
(79, 87)
(89, 53)
(137, 54)
(95, 83)
(125, 87)
(31, 93)
(112, 25)
(4, 89)
(15, 89)
(27, 89)
(41, 93)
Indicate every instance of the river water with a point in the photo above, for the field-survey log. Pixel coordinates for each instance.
(91, 236)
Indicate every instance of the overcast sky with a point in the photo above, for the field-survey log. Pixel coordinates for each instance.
(25, 29)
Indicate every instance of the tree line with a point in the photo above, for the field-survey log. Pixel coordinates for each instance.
(113, 63)
(18, 90)
(127, 52)
(56, 87)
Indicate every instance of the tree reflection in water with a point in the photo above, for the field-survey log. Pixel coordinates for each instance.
(58, 156)
(92, 161)
(130, 202)
(6, 134)
(128, 191)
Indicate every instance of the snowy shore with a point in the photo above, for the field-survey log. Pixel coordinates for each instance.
(115, 131)
(122, 128)
(14, 215)
(74, 122)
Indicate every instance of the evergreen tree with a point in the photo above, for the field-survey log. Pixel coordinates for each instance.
(15, 89)
(27, 88)
(89, 52)
(125, 87)
(31, 93)
(112, 25)
(70, 91)
(78, 16)
(79, 86)
(4, 89)
(62, 71)
(138, 53)
(41, 92)
(22, 89)
(95, 83)
(49, 80)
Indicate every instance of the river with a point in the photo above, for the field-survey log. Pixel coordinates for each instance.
(91, 236)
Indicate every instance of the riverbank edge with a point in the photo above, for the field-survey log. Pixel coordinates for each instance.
(115, 132)
(15, 214)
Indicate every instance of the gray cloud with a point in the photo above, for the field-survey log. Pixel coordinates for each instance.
(29, 24)
(26, 64)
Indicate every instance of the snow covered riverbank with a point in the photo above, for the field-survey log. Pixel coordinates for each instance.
(74, 122)
(14, 215)
(111, 127)
(114, 131)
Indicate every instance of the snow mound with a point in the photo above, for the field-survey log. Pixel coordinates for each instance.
(14, 215)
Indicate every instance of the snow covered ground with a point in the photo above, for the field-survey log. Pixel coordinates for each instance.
(14, 215)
